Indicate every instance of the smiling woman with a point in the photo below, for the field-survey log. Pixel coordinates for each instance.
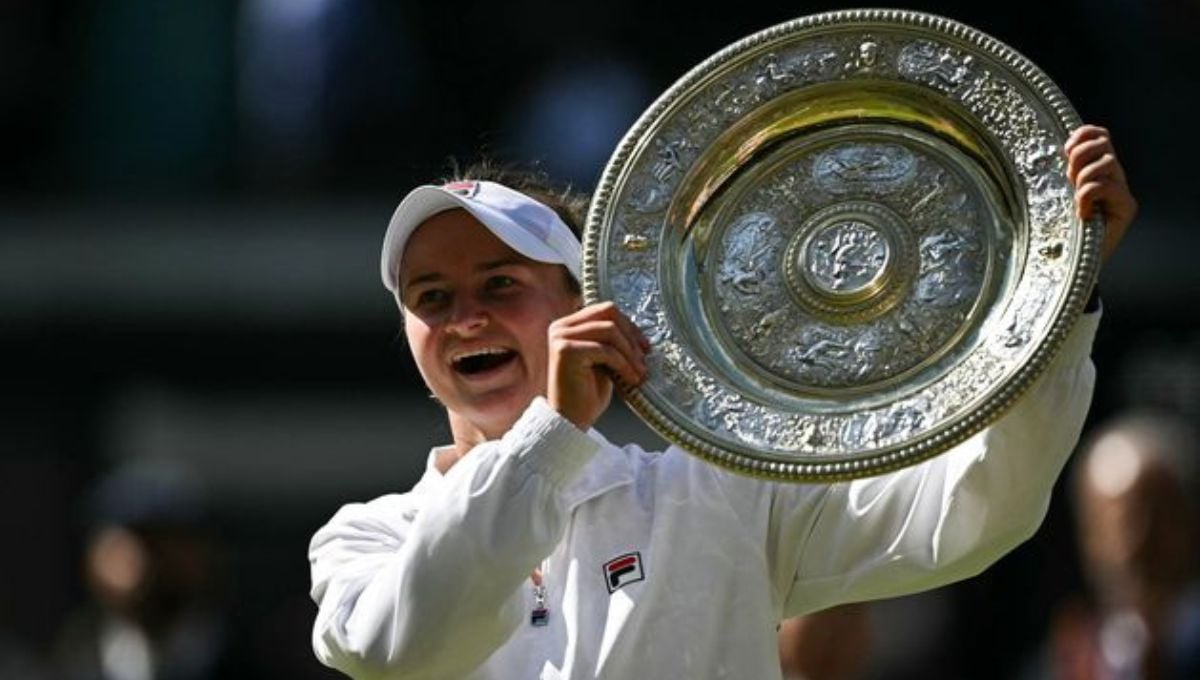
(533, 547)
(475, 319)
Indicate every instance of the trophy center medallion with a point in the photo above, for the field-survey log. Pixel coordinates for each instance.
(846, 260)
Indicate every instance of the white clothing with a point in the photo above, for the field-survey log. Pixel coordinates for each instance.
(435, 583)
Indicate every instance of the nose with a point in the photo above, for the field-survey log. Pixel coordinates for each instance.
(467, 317)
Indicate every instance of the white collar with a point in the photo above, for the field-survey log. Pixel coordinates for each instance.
(610, 468)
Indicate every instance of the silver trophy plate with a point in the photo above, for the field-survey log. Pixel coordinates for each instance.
(850, 240)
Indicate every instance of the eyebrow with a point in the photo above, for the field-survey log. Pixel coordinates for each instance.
(486, 266)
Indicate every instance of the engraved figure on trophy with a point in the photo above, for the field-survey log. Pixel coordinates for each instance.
(952, 266)
(651, 192)
(868, 352)
(938, 64)
(817, 63)
(1041, 158)
(720, 409)
(825, 357)
(1017, 332)
(943, 200)
(638, 292)
(847, 256)
(864, 168)
(820, 356)
(769, 322)
(915, 331)
(900, 422)
(788, 193)
(877, 428)
(648, 195)
(671, 152)
(750, 245)
(866, 57)
(733, 98)
(679, 381)
(771, 75)
(1001, 107)
(1051, 209)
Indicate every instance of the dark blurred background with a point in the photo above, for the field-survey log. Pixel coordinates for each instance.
(192, 197)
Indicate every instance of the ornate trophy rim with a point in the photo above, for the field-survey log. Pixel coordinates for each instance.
(998, 397)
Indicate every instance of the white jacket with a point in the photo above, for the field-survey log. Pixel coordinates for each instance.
(702, 563)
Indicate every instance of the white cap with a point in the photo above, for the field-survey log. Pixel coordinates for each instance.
(529, 227)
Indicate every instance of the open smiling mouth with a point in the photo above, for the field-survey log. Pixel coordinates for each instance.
(483, 361)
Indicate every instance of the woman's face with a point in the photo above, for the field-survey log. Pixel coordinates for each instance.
(476, 314)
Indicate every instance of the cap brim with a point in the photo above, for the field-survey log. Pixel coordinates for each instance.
(419, 205)
(426, 201)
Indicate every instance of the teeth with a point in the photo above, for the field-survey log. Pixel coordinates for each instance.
(477, 353)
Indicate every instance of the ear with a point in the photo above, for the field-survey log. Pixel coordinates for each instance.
(404, 313)
(402, 333)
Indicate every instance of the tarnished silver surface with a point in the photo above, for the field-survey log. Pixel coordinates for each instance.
(850, 240)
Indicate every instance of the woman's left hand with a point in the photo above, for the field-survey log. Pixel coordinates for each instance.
(1100, 184)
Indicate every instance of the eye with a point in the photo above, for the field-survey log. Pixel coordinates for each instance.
(500, 282)
(430, 296)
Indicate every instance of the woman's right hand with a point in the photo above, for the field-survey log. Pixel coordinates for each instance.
(587, 349)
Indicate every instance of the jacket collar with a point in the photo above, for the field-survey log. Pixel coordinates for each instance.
(610, 468)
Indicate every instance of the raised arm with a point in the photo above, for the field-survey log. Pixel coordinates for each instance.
(945, 519)
(952, 516)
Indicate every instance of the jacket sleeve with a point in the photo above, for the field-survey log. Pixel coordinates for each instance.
(428, 584)
(940, 521)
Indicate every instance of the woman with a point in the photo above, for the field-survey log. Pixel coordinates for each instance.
(533, 547)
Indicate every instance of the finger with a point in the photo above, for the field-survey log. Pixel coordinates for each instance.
(609, 310)
(1104, 168)
(632, 331)
(597, 324)
(1085, 200)
(1085, 132)
(608, 332)
(592, 354)
(1084, 153)
(1089, 148)
(1090, 199)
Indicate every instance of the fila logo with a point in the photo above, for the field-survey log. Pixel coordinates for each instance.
(623, 570)
(466, 189)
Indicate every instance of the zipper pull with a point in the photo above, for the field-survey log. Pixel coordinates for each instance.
(540, 615)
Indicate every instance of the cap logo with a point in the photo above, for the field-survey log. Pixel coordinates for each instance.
(466, 189)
